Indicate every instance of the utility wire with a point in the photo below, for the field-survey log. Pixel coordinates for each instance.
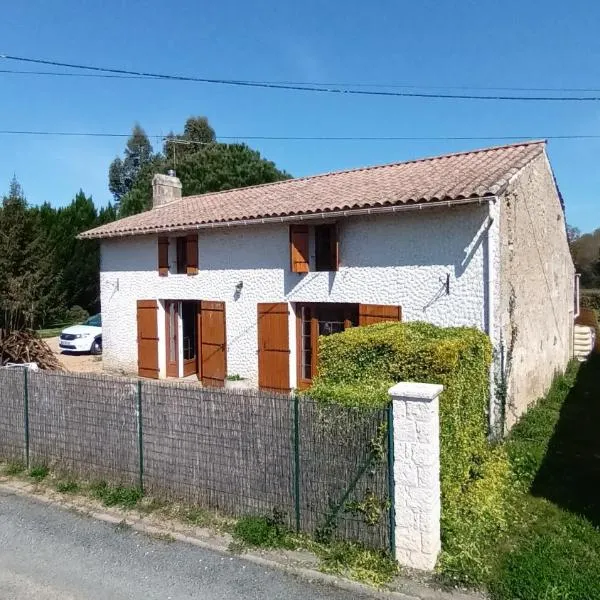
(325, 83)
(304, 88)
(300, 138)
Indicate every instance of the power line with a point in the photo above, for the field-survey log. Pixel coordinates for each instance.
(317, 138)
(324, 83)
(62, 74)
(304, 87)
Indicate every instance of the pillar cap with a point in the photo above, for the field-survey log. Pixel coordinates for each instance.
(408, 390)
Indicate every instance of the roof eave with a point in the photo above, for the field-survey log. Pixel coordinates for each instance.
(320, 216)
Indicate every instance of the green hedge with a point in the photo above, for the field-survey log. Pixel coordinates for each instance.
(590, 299)
(357, 368)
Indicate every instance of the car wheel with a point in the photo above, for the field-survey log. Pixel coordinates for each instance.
(96, 347)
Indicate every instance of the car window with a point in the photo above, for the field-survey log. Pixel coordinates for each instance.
(95, 321)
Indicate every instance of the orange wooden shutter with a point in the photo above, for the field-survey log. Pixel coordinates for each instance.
(299, 248)
(163, 256)
(212, 352)
(378, 313)
(147, 338)
(273, 347)
(192, 253)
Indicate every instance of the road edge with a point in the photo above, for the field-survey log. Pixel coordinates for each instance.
(415, 590)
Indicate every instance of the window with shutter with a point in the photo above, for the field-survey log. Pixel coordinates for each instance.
(299, 257)
(192, 254)
(368, 314)
(326, 248)
(163, 256)
(181, 255)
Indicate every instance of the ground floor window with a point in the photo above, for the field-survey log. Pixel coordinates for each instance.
(316, 319)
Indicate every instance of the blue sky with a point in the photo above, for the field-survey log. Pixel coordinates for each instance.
(429, 43)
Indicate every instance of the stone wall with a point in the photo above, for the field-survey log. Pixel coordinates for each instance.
(536, 303)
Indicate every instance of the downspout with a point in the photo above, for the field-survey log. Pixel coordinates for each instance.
(577, 295)
(491, 298)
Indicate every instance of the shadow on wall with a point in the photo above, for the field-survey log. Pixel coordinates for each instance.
(444, 236)
(570, 472)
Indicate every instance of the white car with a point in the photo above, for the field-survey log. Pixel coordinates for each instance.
(86, 337)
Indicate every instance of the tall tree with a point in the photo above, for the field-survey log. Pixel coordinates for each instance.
(197, 132)
(123, 173)
(28, 290)
(78, 261)
(202, 164)
(585, 249)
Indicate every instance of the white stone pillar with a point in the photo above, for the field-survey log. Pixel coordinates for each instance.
(417, 473)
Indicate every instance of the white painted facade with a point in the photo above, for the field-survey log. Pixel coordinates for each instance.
(402, 259)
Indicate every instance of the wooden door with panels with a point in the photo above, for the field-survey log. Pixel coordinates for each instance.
(147, 338)
(273, 347)
(212, 343)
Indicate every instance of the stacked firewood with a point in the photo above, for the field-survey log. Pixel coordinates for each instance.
(18, 347)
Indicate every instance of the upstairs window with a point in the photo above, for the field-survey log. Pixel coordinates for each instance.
(186, 255)
(323, 239)
(326, 248)
(181, 256)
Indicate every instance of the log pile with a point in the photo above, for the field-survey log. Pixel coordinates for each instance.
(25, 347)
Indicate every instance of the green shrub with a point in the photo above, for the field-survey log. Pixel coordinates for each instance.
(14, 468)
(357, 562)
(76, 314)
(590, 299)
(357, 367)
(39, 472)
(67, 486)
(115, 495)
(263, 532)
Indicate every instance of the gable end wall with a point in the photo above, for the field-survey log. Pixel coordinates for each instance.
(536, 288)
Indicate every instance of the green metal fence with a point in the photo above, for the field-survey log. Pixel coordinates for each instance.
(327, 470)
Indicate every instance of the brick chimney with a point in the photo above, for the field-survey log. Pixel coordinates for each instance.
(165, 189)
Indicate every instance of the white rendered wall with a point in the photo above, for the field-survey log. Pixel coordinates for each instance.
(399, 259)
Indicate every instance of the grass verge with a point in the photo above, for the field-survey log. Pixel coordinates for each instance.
(350, 560)
(551, 547)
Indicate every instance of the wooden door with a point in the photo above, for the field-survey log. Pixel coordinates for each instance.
(368, 314)
(172, 337)
(273, 347)
(212, 351)
(147, 338)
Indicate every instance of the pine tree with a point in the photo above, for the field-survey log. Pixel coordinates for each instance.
(27, 286)
(123, 173)
(203, 166)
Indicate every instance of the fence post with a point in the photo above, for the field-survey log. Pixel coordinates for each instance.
(297, 461)
(391, 484)
(140, 432)
(26, 413)
(416, 473)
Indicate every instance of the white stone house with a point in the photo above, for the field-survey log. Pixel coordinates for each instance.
(242, 282)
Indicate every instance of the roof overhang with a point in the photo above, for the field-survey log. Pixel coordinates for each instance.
(296, 218)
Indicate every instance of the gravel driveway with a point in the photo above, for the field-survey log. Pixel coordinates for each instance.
(76, 362)
(51, 554)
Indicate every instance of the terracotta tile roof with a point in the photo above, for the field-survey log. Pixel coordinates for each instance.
(474, 174)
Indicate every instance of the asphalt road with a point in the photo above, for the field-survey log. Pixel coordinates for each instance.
(48, 553)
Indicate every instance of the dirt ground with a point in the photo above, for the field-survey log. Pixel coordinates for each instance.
(76, 362)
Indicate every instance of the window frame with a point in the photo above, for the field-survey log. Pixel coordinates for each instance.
(181, 255)
(350, 313)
